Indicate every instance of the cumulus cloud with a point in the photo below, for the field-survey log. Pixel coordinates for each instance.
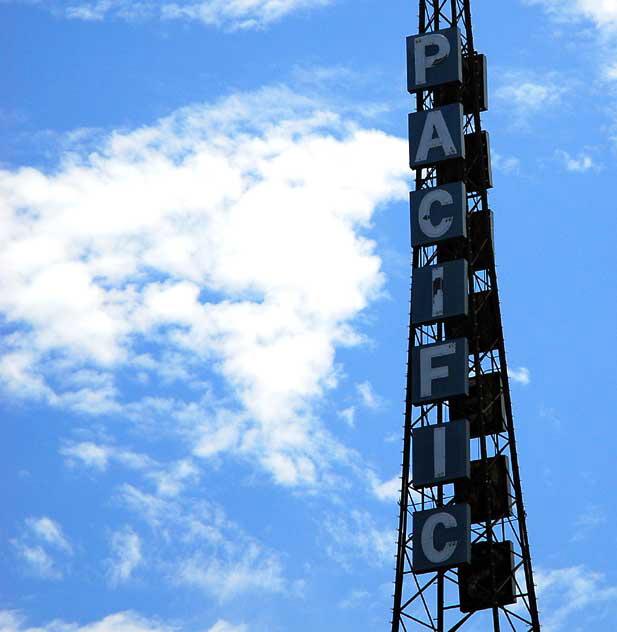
(11, 621)
(233, 14)
(229, 236)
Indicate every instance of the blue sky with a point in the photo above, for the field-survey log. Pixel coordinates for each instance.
(205, 271)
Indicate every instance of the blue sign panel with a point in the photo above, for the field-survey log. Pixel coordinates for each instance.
(436, 135)
(438, 214)
(434, 59)
(439, 292)
(440, 454)
(441, 538)
(439, 371)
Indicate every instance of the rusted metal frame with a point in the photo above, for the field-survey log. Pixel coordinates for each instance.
(522, 523)
(420, 595)
(474, 122)
(426, 625)
(517, 616)
(508, 619)
(402, 555)
(461, 622)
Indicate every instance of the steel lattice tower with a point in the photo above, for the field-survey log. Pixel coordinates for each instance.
(434, 600)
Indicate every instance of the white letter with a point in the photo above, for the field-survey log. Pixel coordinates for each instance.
(435, 122)
(424, 214)
(437, 292)
(427, 372)
(422, 61)
(439, 451)
(428, 538)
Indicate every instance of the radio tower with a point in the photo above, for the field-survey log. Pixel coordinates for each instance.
(463, 559)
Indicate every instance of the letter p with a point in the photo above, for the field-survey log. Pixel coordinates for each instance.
(424, 61)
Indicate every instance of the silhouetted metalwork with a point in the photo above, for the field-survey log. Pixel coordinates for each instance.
(495, 589)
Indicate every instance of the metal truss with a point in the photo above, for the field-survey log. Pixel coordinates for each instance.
(431, 602)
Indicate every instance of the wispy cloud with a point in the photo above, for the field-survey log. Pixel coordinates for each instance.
(233, 14)
(567, 591)
(198, 545)
(170, 478)
(12, 621)
(388, 491)
(522, 375)
(357, 534)
(251, 570)
(368, 397)
(49, 531)
(41, 542)
(197, 235)
(37, 560)
(577, 164)
(509, 165)
(126, 555)
(603, 13)
(526, 94)
(348, 415)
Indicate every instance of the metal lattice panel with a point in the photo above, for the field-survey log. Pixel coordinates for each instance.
(496, 589)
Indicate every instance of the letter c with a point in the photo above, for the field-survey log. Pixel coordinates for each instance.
(443, 198)
(433, 555)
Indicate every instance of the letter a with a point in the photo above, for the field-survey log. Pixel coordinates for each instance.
(434, 135)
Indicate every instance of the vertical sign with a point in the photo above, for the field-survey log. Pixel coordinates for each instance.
(436, 135)
(439, 371)
(434, 59)
(438, 214)
(440, 454)
(441, 538)
(440, 292)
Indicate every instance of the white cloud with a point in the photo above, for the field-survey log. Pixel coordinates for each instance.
(251, 570)
(209, 551)
(49, 531)
(224, 626)
(603, 13)
(170, 478)
(126, 555)
(522, 375)
(388, 491)
(229, 236)
(12, 621)
(368, 397)
(356, 599)
(564, 592)
(356, 534)
(234, 14)
(580, 164)
(509, 165)
(37, 560)
(528, 94)
(39, 545)
(348, 415)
